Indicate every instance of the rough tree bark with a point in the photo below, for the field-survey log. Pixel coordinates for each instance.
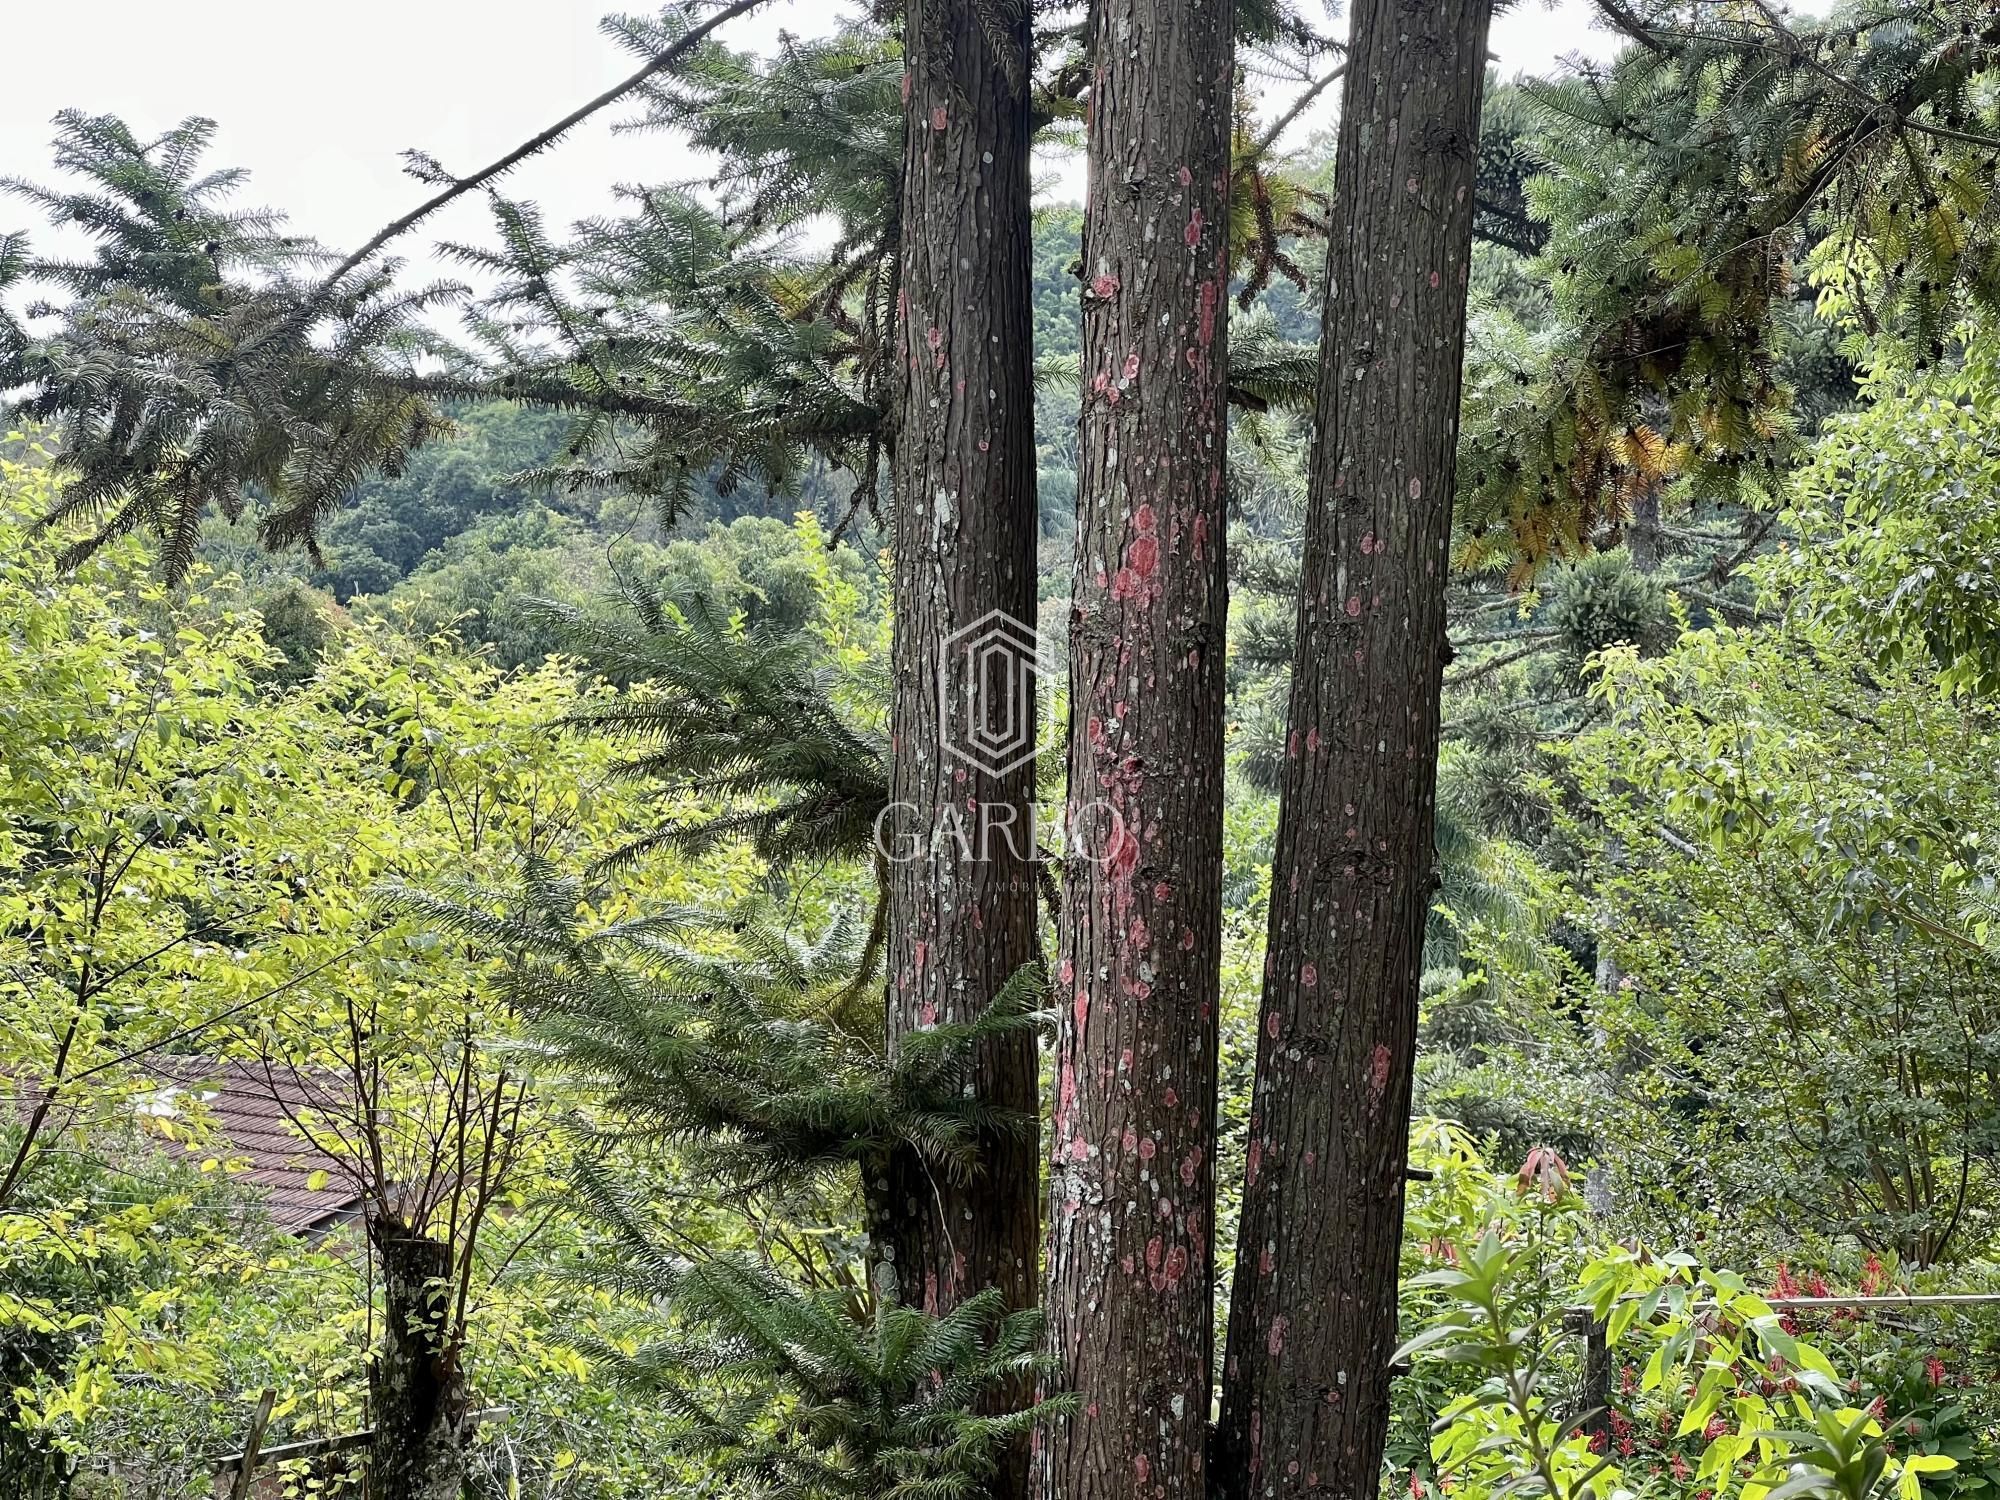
(1130, 1252)
(1313, 1312)
(416, 1387)
(961, 875)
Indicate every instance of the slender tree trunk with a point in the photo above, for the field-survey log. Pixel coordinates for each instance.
(959, 830)
(1642, 532)
(1131, 1257)
(416, 1387)
(1313, 1312)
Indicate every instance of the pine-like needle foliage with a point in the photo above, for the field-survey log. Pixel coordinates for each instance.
(183, 370)
(796, 1394)
(197, 358)
(1687, 189)
(736, 723)
(758, 1053)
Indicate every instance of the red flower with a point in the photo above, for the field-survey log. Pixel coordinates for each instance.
(1873, 1277)
(1716, 1428)
(1597, 1442)
(1786, 1286)
(1416, 1486)
(1680, 1467)
(1934, 1369)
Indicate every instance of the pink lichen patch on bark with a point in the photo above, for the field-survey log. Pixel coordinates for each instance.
(1121, 853)
(1309, 976)
(1275, 1341)
(1193, 232)
(1378, 1071)
(1354, 606)
(1105, 286)
(939, 119)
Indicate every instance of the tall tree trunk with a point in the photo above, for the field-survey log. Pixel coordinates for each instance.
(416, 1387)
(959, 831)
(1313, 1311)
(1131, 1255)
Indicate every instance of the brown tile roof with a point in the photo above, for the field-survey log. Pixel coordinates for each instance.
(252, 1106)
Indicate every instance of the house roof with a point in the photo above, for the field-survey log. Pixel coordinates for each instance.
(252, 1106)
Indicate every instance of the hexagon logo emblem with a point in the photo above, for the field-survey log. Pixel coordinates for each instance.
(991, 715)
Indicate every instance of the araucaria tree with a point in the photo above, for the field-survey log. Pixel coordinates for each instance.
(1313, 1311)
(1130, 1247)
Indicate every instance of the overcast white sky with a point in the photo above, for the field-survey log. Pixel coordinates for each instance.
(318, 100)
